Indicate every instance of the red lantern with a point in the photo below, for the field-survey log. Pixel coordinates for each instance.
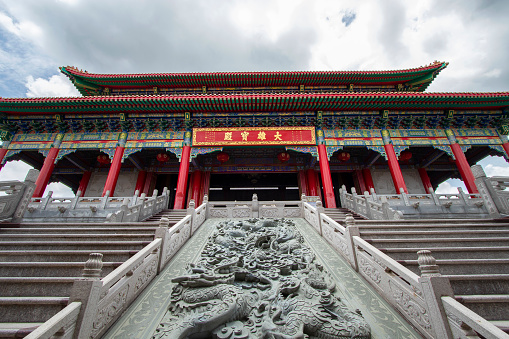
(103, 159)
(162, 157)
(343, 156)
(223, 157)
(405, 156)
(283, 157)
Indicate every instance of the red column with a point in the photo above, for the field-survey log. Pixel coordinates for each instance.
(45, 174)
(312, 183)
(149, 184)
(84, 182)
(3, 151)
(182, 179)
(397, 176)
(360, 179)
(303, 183)
(111, 180)
(205, 185)
(195, 195)
(464, 168)
(140, 181)
(328, 190)
(425, 180)
(368, 179)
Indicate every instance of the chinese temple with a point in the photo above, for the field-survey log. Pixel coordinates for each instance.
(276, 134)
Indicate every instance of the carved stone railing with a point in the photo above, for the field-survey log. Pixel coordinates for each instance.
(494, 191)
(414, 206)
(134, 208)
(312, 215)
(254, 208)
(61, 325)
(173, 238)
(15, 196)
(426, 301)
(464, 322)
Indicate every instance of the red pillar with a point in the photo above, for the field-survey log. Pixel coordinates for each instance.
(140, 181)
(3, 151)
(328, 190)
(182, 179)
(360, 179)
(195, 195)
(302, 183)
(312, 183)
(397, 176)
(84, 182)
(205, 186)
(45, 174)
(425, 180)
(464, 168)
(111, 180)
(149, 184)
(368, 179)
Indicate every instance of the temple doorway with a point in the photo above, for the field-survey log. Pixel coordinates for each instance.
(241, 187)
(340, 179)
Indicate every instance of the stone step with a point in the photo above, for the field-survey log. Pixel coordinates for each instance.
(49, 269)
(93, 246)
(431, 227)
(397, 234)
(80, 225)
(79, 230)
(67, 256)
(17, 330)
(464, 266)
(71, 236)
(490, 307)
(475, 222)
(479, 283)
(433, 243)
(450, 252)
(35, 286)
(30, 309)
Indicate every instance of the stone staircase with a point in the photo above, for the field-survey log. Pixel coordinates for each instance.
(339, 214)
(39, 262)
(173, 215)
(473, 254)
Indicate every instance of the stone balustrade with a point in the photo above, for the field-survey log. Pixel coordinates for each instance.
(96, 209)
(15, 197)
(491, 201)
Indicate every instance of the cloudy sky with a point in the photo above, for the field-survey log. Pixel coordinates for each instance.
(138, 36)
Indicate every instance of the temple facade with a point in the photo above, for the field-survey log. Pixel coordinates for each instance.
(276, 134)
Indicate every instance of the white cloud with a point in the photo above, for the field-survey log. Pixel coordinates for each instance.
(55, 86)
(496, 171)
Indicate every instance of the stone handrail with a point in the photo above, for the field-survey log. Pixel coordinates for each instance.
(312, 216)
(199, 215)
(254, 209)
(403, 205)
(134, 208)
(416, 297)
(493, 190)
(141, 209)
(459, 316)
(15, 196)
(173, 238)
(62, 323)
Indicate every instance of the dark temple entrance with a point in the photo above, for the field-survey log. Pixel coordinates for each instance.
(240, 187)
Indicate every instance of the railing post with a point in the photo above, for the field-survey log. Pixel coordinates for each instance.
(206, 201)
(434, 197)
(351, 231)
(29, 189)
(354, 199)
(75, 200)
(368, 199)
(404, 196)
(161, 233)
(46, 201)
(255, 208)
(192, 212)
(373, 194)
(463, 196)
(488, 194)
(135, 197)
(105, 200)
(303, 200)
(87, 290)
(319, 211)
(434, 286)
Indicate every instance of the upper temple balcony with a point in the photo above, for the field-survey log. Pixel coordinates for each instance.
(407, 80)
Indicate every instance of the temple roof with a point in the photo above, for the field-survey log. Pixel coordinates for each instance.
(414, 79)
(254, 103)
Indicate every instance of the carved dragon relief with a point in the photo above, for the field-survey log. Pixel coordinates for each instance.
(257, 279)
